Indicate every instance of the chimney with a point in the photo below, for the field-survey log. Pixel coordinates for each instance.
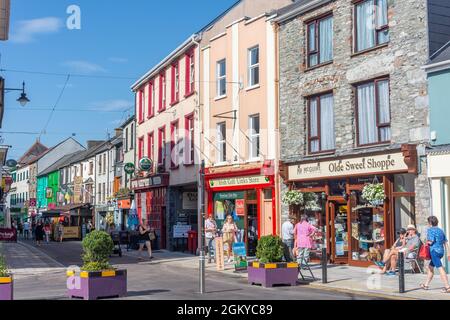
(93, 143)
(118, 132)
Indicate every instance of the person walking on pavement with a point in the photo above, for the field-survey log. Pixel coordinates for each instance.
(303, 235)
(39, 233)
(287, 230)
(144, 239)
(47, 233)
(89, 226)
(60, 232)
(19, 229)
(438, 244)
(26, 229)
(210, 234)
(229, 231)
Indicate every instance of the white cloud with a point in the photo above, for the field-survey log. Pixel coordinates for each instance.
(81, 66)
(112, 105)
(118, 60)
(27, 30)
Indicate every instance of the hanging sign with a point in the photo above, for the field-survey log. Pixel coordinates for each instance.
(49, 193)
(78, 183)
(129, 168)
(145, 164)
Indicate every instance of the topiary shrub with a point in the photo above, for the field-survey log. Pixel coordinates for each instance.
(97, 247)
(269, 249)
(4, 272)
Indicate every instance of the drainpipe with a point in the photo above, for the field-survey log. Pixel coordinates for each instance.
(277, 195)
(444, 212)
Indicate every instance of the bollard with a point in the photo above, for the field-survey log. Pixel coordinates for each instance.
(202, 271)
(324, 265)
(401, 271)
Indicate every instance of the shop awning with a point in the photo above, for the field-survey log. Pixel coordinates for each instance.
(51, 214)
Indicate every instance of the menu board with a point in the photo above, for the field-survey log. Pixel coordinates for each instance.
(220, 260)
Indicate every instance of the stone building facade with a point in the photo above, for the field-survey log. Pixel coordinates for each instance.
(399, 60)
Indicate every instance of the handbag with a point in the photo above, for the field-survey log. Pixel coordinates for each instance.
(152, 235)
(424, 252)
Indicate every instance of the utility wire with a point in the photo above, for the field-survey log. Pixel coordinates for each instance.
(28, 109)
(56, 104)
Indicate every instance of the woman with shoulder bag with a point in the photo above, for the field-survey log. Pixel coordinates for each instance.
(144, 239)
(437, 242)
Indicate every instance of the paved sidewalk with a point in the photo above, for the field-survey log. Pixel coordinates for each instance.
(340, 278)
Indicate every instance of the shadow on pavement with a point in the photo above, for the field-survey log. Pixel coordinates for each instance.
(145, 292)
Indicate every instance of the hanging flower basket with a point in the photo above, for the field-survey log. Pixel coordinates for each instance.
(306, 200)
(374, 194)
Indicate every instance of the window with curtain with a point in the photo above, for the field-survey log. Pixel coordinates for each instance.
(253, 66)
(374, 119)
(221, 142)
(372, 28)
(221, 78)
(320, 41)
(254, 136)
(321, 123)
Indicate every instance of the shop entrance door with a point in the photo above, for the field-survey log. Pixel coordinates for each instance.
(338, 222)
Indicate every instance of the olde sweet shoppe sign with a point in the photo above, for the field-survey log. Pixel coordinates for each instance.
(377, 164)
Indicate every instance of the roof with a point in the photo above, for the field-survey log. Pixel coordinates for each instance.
(297, 8)
(443, 54)
(34, 151)
(128, 121)
(58, 164)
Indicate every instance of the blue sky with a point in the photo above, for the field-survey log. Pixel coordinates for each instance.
(115, 40)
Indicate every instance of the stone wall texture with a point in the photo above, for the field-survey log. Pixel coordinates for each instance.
(401, 60)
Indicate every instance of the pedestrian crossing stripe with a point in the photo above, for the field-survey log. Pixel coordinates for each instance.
(5, 280)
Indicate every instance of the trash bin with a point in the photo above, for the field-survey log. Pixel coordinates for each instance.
(192, 241)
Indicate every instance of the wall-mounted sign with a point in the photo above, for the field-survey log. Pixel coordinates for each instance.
(392, 162)
(32, 202)
(49, 193)
(78, 184)
(129, 168)
(154, 181)
(240, 207)
(124, 204)
(8, 235)
(181, 231)
(190, 200)
(11, 163)
(229, 195)
(145, 164)
(238, 181)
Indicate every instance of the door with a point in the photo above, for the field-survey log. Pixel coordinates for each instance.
(338, 222)
(252, 229)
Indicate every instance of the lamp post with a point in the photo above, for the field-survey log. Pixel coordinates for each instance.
(23, 99)
(202, 259)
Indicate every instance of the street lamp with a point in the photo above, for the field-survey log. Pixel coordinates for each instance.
(23, 99)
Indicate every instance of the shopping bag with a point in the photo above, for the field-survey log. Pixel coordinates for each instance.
(424, 252)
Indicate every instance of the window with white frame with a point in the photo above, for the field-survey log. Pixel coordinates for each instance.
(221, 78)
(221, 142)
(253, 66)
(254, 136)
(191, 72)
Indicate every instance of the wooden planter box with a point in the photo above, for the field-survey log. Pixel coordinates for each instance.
(270, 274)
(6, 288)
(97, 285)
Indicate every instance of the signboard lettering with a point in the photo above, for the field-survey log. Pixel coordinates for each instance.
(8, 235)
(238, 181)
(353, 166)
(181, 231)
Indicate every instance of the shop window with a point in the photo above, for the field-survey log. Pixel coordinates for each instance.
(404, 212)
(367, 230)
(267, 194)
(251, 195)
(317, 217)
(404, 183)
(338, 188)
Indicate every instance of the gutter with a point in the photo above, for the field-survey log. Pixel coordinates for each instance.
(439, 66)
(301, 9)
(193, 39)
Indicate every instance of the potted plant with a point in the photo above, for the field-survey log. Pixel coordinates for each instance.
(270, 270)
(292, 198)
(374, 193)
(97, 278)
(6, 281)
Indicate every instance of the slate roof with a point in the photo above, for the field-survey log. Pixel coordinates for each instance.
(34, 151)
(443, 54)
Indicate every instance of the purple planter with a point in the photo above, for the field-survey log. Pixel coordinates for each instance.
(271, 274)
(97, 285)
(6, 289)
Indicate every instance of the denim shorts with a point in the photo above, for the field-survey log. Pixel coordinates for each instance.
(436, 259)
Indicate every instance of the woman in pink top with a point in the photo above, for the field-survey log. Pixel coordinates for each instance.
(303, 235)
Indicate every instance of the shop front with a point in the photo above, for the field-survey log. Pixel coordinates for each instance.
(150, 196)
(248, 196)
(354, 230)
(124, 206)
